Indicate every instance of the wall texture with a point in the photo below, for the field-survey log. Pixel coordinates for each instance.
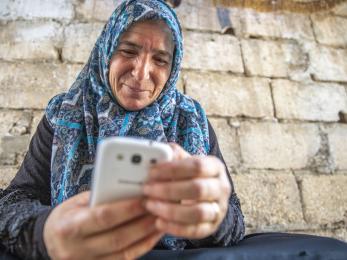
(273, 85)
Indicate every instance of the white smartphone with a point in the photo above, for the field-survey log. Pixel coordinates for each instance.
(122, 165)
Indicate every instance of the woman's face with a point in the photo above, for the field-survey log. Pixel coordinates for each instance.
(141, 65)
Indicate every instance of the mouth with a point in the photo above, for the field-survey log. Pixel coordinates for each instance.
(135, 89)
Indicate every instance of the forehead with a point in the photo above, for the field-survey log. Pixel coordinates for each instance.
(155, 31)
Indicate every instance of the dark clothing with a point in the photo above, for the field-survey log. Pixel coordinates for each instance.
(25, 204)
(261, 246)
(264, 246)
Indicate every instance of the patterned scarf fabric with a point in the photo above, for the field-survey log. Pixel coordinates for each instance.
(88, 112)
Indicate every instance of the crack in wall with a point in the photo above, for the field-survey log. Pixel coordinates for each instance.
(313, 30)
(273, 100)
(298, 182)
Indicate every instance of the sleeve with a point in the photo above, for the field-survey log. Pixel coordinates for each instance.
(25, 203)
(232, 229)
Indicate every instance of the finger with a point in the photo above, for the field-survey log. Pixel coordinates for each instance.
(118, 239)
(225, 185)
(184, 214)
(79, 200)
(103, 217)
(191, 167)
(198, 231)
(138, 249)
(178, 152)
(206, 189)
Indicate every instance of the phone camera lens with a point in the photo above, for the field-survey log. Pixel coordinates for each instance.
(153, 161)
(136, 159)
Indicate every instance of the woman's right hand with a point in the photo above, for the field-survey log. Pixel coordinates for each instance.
(117, 230)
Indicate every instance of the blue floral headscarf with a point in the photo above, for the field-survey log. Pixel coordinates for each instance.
(88, 112)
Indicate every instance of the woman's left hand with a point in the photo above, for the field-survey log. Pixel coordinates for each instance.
(189, 195)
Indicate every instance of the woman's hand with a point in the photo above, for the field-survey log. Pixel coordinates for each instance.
(118, 230)
(189, 195)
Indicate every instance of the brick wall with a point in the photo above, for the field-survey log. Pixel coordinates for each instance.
(274, 88)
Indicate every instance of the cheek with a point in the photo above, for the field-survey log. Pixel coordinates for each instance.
(118, 67)
(162, 78)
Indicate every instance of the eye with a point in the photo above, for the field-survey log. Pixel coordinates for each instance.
(161, 62)
(128, 53)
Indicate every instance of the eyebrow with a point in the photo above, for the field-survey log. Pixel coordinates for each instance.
(136, 46)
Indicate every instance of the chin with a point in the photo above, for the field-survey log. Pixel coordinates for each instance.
(134, 106)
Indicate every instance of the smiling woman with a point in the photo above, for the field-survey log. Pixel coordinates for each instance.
(141, 64)
(127, 88)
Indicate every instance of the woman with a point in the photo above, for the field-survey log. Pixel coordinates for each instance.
(127, 88)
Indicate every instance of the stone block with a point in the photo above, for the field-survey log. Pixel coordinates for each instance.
(21, 126)
(328, 64)
(80, 40)
(272, 58)
(7, 173)
(325, 199)
(277, 25)
(11, 146)
(341, 233)
(14, 144)
(226, 95)
(212, 52)
(199, 3)
(24, 85)
(198, 18)
(14, 122)
(313, 101)
(337, 136)
(13, 126)
(99, 10)
(330, 30)
(36, 120)
(340, 9)
(30, 40)
(7, 158)
(206, 18)
(269, 199)
(228, 143)
(36, 9)
(278, 146)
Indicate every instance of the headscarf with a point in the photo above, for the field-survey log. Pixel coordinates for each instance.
(88, 111)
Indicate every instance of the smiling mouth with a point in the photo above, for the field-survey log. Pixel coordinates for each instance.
(135, 89)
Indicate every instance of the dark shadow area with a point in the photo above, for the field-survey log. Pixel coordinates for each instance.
(260, 246)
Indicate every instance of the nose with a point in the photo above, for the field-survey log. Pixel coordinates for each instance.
(141, 68)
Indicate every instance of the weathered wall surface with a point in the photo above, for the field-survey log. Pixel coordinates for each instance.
(274, 87)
